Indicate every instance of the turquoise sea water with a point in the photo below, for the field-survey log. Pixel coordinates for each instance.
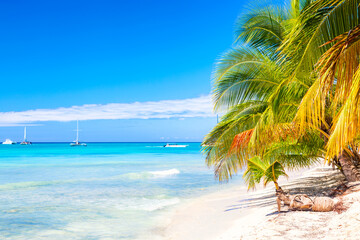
(102, 191)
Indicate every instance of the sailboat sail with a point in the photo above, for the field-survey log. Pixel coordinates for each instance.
(24, 134)
(25, 141)
(76, 142)
(77, 131)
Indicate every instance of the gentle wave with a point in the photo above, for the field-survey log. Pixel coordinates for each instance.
(18, 185)
(129, 176)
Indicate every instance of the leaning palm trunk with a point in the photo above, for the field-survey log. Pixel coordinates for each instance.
(348, 168)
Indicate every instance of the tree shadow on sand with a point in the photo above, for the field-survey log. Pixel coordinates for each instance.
(319, 183)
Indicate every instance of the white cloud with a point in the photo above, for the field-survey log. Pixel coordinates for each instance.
(186, 108)
(15, 124)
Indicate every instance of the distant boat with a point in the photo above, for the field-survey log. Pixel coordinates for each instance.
(175, 145)
(25, 141)
(76, 142)
(8, 142)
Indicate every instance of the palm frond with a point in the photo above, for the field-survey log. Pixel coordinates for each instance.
(261, 27)
(244, 74)
(217, 144)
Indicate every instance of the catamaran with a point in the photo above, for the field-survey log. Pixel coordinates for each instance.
(25, 141)
(76, 142)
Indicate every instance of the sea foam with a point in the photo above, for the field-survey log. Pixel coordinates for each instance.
(152, 174)
(165, 173)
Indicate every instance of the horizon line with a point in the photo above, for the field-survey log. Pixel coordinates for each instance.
(122, 142)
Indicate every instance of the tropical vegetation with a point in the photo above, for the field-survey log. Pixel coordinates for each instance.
(289, 89)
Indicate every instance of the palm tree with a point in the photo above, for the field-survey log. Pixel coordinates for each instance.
(250, 83)
(269, 171)
(258, 169)
(294, 70)
(327, 35)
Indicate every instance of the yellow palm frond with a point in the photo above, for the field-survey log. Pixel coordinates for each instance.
(347, 123)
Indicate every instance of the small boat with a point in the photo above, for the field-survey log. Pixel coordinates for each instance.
(8, 142)
(25, 141)
(175, 145)
(76, 142)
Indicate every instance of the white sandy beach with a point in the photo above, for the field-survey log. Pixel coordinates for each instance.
(237, 214)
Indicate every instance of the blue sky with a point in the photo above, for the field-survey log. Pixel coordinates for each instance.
(66, 54)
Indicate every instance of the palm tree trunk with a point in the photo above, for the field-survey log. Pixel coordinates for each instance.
(276, 185)
(348, 168)
(279, 192)
(274, 177)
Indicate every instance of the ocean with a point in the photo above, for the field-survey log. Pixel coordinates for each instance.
(102, 191)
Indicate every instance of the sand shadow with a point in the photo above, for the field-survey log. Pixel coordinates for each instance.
(320, 184)
(276, 213)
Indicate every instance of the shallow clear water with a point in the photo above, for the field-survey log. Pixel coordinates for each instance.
(102, 191)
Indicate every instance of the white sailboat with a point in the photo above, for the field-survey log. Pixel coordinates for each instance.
(25, 141)
(76, 142)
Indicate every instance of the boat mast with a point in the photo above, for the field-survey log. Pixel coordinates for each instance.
(24, 134)
(77, 131)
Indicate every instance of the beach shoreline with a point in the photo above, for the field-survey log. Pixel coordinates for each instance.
(235, 213)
